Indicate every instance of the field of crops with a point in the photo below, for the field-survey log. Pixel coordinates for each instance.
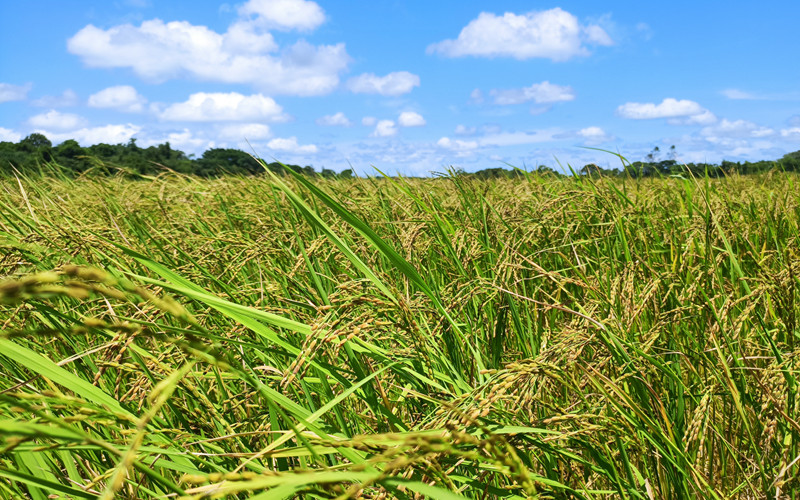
(287, 337)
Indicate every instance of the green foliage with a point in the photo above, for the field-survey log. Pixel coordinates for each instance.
(35, 154)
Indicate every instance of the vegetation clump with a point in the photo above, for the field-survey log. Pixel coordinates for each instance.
(36, 154)
(286, 337)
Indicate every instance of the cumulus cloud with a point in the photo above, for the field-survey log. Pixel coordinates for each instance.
(336, 120)
(290, 145)
(369, 121)
(791, 133)
(240, 132)
(219, 106)
(393, 84)
(704, 118)
(683, 112)
(730, 129)
(457, 145)
(67, 98)
(57, 121)
(594, 135)
(284, 14)
(385, 128)
(108, 134)
(9, 92)
(410, 119)
(7, 135)
(157, 51)
(184, 140)
(540, 93)
(552, 34)
(119, 97)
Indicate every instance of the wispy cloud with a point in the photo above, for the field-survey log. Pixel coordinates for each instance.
(9, 92)
(540, 93)
(393, 84)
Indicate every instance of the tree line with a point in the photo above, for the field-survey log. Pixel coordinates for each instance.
(654, 166)
(37, 154)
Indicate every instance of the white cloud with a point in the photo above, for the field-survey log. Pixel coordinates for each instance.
(683, 112)
(9, 92)
(248, 131)
(517, 138)
(219, 106)
(385, 128)
(7, 135)
(464, 130)
(457, 145)
(704, 118)
(119, 97)
(791, 133)
(393, 84)
(158, 51)
(108, 134)
(644, 30)
(410, 119)
(67, 98)
(540, 93)
(476, 96)
(553, 34)
(369, 121)
(58, 121)
(737, 94)
(184, 140)
(290, 145)
(726, 130)
(594, 135)
(339, 119)
(284, 14)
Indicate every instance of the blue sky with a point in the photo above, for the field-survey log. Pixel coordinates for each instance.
(411, 87)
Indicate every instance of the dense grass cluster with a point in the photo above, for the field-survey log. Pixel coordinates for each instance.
(386, 338)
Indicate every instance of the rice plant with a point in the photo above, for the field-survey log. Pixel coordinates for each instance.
(287, 337)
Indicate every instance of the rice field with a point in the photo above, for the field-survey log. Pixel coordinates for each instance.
(285, 337)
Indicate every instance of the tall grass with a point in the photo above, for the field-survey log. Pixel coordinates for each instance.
(393, 338)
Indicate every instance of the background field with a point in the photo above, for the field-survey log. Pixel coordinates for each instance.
(281, 337)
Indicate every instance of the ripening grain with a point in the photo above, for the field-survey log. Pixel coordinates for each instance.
(281, 337)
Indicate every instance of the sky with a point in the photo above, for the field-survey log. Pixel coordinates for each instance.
(412, 87)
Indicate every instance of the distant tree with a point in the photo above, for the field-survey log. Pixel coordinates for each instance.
(653, 155)
(70, 155)
(593, 170)
(545, 170)
(233, 161)
(35, 142)
(12, 157)
(790, 162)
